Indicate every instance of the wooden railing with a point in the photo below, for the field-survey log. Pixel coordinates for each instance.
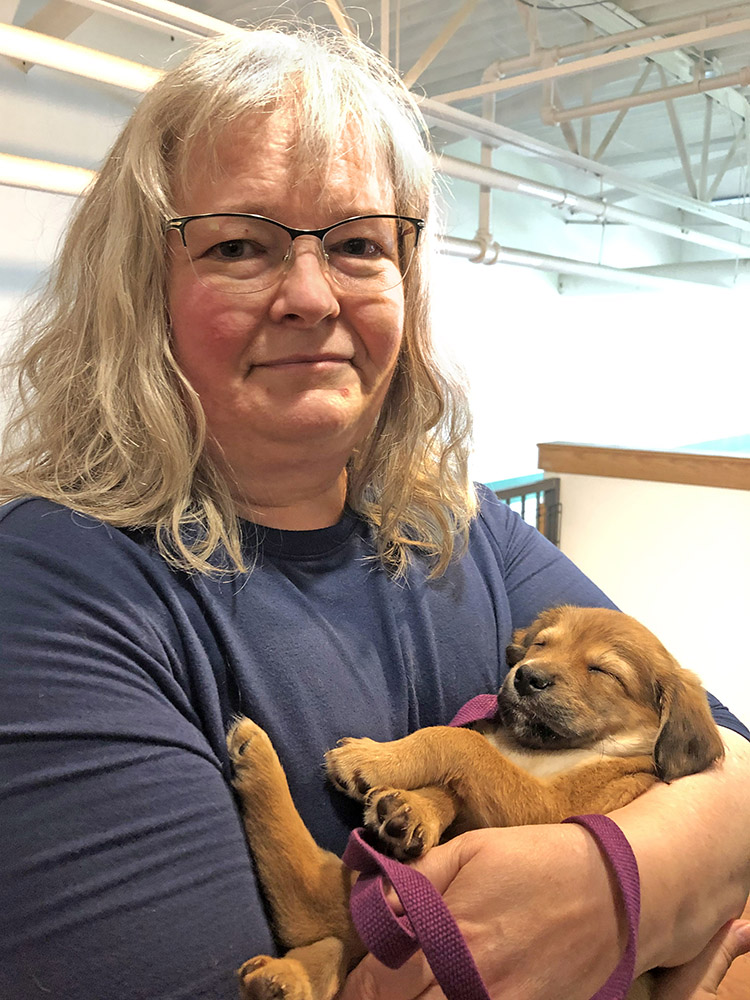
(693, 468)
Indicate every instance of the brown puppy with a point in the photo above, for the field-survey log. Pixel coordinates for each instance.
(593, 711)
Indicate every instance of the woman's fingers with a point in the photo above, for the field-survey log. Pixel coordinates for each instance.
(700, 979)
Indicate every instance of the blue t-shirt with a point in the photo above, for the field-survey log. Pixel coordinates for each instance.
(125, 870)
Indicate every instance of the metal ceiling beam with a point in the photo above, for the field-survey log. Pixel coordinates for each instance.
(612, 18)
(612, 130)
(591, 63)
(471, 126)
(163, 15)
(338, 13)
(58, 18)
(707, 123)
(8, 10)
(708, 86)
(726, 164)
(385, 28)
(451, 27)
(503, 67)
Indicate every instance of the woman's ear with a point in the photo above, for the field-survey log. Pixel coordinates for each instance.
(688, 740)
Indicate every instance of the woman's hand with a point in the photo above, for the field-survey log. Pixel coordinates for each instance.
(701, 978)
(539, 910)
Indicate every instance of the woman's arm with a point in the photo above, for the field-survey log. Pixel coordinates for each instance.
(540, 910)
(692, 841)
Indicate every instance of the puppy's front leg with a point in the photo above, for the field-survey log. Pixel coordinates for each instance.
(437, 755)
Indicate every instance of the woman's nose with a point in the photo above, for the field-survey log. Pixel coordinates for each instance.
(306, 291)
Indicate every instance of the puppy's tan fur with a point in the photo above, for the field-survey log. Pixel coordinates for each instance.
(593, 711)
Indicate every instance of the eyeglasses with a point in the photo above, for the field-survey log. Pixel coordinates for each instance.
(239, 253)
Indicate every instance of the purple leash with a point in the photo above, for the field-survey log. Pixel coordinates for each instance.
(427, 922)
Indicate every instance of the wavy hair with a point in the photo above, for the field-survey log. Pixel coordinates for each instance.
(104, 421)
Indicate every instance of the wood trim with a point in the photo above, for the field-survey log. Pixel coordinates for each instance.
(691, 468)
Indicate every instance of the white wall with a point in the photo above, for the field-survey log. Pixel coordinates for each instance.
(635, 369)
(677, 558)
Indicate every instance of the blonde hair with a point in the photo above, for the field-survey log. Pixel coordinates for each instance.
(105, 422)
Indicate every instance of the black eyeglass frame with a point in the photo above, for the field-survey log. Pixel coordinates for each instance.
(179, 224)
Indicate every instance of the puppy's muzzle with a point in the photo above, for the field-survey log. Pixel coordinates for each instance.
(530, 680)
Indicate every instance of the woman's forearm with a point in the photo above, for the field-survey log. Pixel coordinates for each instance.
(692, 841)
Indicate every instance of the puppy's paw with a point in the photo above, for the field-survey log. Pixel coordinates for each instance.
(401, 822)
(257, 771)
(356, 765)
(265, 978)
(245, 739)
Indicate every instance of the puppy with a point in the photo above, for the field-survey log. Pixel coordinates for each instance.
(593, 711)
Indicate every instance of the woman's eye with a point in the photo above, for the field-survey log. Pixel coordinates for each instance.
(359, 246)
(234, 250)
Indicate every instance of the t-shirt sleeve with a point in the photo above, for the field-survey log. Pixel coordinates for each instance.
(125, 870)
(538, 576)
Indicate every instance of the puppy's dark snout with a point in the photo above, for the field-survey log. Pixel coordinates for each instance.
(531, 680)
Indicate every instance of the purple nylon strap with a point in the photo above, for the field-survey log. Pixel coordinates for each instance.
(427, 922)
(615, 846)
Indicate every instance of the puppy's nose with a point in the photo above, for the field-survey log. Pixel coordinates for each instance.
(531, 680)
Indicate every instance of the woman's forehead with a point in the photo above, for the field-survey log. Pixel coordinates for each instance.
(261, 163)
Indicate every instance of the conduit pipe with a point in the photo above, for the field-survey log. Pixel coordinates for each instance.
(471, 126)
(495, 254)
(560, 198)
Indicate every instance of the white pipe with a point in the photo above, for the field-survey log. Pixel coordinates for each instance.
(474, 127)
(474, 250)
(32, 47)
(602, 211)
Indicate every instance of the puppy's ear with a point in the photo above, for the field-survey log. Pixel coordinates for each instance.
(514, 654)
(688, 739)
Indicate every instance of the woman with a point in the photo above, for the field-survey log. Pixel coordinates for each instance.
(249, 494)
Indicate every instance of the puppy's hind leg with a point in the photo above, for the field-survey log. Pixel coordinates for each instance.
(306, 887)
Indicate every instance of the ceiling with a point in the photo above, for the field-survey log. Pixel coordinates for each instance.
(445, 47)
(641, 101)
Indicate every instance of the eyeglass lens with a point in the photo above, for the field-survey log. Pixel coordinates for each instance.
(245, 254)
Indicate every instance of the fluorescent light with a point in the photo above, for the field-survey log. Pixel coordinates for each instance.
(33, 47)
(41, 175)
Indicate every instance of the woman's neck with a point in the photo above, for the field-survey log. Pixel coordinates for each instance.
(296, 507)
